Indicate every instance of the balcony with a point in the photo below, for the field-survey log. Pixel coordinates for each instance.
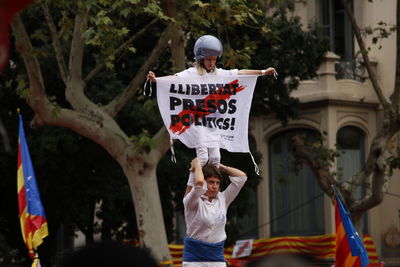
(338, 81)
(350, 70)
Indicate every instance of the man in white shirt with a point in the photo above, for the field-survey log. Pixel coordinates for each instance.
(205, 213)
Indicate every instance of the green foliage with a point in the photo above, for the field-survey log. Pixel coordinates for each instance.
(143, 142)
(323, 156)
(393, 162)
(73, 173)
(40, 35)
(21, 88)
(281, 42)
(296, 55)
(382, 31)
(203, 17)
(56, 109)
(282, 5)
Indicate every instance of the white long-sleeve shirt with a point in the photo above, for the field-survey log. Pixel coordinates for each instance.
(190, 72)
(206, 220)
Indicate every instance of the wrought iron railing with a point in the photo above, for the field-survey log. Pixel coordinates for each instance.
(350, 69)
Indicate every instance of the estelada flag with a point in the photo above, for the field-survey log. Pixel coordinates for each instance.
(350, 250)
(8, 9)
(31, 213)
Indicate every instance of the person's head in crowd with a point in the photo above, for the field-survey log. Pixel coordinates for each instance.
(109, 254)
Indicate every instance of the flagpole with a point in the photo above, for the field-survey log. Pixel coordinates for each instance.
(337, 192)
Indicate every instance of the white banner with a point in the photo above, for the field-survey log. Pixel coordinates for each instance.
(208, 111)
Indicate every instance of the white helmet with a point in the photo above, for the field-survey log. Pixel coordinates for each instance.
(206, 46)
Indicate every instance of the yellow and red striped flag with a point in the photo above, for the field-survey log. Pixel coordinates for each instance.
(31, 213)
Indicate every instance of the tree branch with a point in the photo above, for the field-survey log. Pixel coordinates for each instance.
(56, 43)
(94, 125)
(364, 53)
(377, 156)
(74, 91)
(77, 45)
(375, 151)
(106, 132)
(321, 172)
(177, 44)
(37, 96)
(118, 103)
(376, 165)
(120, 49)
(376, 196)
(161, 138)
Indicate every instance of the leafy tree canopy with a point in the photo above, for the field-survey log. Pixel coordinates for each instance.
(74, 173)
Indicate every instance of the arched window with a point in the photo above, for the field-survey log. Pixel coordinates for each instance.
(296, 198)
(350, 141)
(351, 144)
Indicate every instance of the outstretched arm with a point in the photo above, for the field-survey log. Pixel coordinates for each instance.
(269, 71)
(152, 76)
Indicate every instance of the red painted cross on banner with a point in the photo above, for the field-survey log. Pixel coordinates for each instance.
(188, 116)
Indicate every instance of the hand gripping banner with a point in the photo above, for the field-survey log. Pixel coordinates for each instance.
(210, 111)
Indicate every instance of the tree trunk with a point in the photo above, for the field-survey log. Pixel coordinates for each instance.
(144, 189)
(178, 48)
(92, 121)
(177, 38)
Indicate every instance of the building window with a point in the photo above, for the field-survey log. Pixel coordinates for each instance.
(296, 198)
(350, 141)
(337, 27)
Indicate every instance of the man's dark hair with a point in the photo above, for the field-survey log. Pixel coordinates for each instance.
(109, 253)
(211, 171)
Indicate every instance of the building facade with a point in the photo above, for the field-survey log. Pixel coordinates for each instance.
(340, 105)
